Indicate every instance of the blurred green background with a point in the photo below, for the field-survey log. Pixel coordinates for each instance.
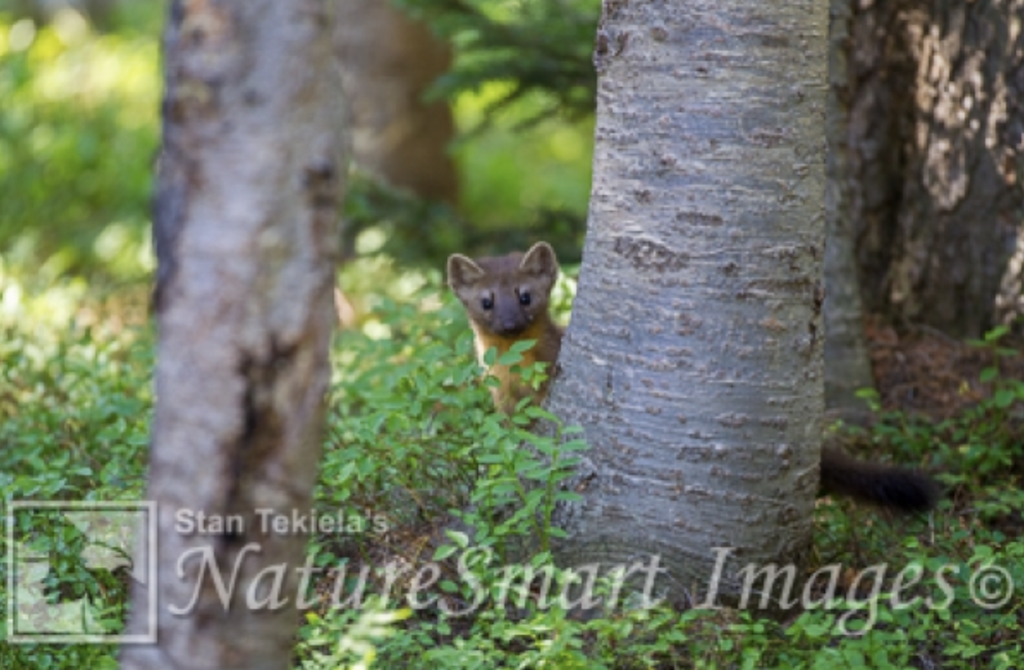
(79, 135)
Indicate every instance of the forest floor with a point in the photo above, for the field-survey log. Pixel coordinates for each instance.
(923, 371)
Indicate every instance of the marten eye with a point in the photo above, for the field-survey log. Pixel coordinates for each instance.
(487, 303)
(524, 297)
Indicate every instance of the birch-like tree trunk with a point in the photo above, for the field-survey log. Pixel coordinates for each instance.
(847, 366)
(694, 357)
(246, 231)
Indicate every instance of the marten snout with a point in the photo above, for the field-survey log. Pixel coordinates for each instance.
(509, 318)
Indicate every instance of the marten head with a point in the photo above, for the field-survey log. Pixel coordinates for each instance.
(505, 294)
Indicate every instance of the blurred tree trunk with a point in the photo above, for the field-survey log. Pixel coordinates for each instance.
(935, 137)
(847, 366)
(694, 358)
(388, 63)
(245, 225)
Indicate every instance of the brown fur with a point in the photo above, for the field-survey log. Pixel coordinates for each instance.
(503, 278)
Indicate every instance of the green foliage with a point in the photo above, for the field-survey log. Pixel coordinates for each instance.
(536, 178)
(981, 449)
(77, 141)
(536, 46)
(995, 444)
(413, 440)
(413, 432)
(74, 407)
(74, 421)
(483, 501)
(345, 638)
(399, 386)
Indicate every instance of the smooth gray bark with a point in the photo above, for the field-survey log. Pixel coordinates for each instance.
(246, 230)
(693, 360)
(847, 366)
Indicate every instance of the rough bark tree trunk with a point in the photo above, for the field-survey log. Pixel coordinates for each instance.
(245, 224)
(935, 132)
(390, 61)
(847, 366)
(693, 360)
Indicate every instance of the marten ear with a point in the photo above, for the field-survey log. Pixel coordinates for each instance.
(462, 271)
(540, 260)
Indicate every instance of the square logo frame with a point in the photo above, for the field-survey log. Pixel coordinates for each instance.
(116, 535)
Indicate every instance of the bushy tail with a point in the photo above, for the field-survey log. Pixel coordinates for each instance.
(888, 486)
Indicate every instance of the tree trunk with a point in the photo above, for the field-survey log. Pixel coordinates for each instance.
(388, 63)
(245, 225)
(693, 360)
(936, 139)
(847, 366)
